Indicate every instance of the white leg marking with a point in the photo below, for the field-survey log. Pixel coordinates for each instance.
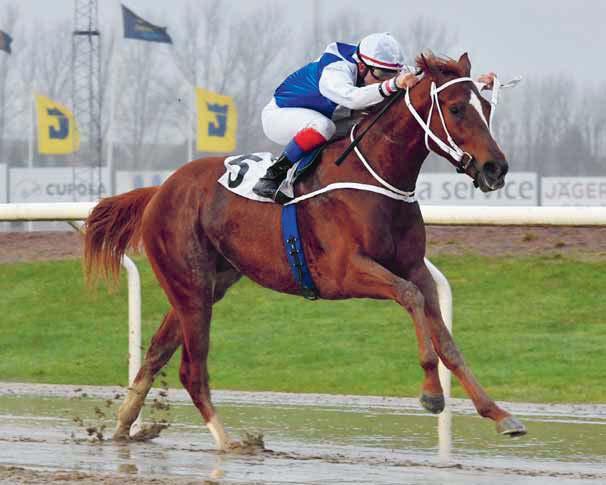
(215, 426)
(476, 103)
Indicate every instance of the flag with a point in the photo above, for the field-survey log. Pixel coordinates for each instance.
(5, 42)
(217, 122)
(137, 28)
(57, 130)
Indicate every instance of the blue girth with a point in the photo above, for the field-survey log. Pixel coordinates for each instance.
(292, 237)
(294, 252)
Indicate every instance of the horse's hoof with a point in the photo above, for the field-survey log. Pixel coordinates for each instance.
(510, 426)
(121, 436)
(434, 403)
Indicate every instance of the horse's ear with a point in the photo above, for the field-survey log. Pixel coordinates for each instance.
(428, 68)
(465, 64)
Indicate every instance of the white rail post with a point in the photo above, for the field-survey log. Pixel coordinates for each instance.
(445, 417)
(134, 326)
(134, 318)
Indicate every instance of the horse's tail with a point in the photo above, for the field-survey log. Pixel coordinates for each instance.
(112, 227)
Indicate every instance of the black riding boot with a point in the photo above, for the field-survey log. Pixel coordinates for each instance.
(267, 186)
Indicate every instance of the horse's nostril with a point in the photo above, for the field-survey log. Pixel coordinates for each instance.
(494, 169)
(491, 169)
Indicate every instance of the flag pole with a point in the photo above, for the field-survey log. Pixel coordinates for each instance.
(190, 124)
(112, 108)
(191, 104)
(110, 128)
(32, 123)
(32, 136)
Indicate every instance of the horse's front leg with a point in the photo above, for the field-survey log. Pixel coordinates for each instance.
(453, 359)
(370, 279)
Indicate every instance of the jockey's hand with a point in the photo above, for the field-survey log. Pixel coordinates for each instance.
(487, 79)
(406, 80)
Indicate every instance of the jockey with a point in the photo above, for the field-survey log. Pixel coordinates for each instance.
(345, 77)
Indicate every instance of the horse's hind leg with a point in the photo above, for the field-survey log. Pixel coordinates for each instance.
(193, 275)
(194, 359)
(163, 345)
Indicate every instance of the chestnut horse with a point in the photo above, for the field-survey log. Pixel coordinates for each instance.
(200, 239)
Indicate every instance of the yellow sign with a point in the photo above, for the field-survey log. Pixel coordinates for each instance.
(217, 122)
(57, 130)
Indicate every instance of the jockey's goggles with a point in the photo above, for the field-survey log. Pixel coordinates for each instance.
(381, 74)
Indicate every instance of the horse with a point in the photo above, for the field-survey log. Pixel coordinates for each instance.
(200, 239)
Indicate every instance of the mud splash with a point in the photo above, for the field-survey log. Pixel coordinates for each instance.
(305, 439)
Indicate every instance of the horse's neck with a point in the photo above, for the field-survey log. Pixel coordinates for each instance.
(394, 147)
(396, 144)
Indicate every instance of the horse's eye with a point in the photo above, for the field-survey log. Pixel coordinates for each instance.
(455, 110)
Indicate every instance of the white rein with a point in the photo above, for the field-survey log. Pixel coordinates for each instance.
(453, 150)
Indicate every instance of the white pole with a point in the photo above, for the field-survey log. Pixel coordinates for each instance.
(134, 326)
(445, 417)
(32, 136)
(190, 128)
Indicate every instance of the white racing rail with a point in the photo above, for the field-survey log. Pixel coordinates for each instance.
(442, 215)
(432, 214)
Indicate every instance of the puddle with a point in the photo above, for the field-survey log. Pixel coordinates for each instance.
(309, 439)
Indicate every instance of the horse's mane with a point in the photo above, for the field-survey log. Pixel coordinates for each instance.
(428, 61)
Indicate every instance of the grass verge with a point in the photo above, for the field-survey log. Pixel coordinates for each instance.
(532, 329)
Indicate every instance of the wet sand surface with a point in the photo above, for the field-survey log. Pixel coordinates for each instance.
(61, 434)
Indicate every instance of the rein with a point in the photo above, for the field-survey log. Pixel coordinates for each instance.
(354, 143)
(463, 158)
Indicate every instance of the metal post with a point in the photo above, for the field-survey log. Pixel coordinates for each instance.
(134, 326)
(445, 418)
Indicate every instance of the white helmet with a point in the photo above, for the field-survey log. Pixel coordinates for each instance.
(381, 50)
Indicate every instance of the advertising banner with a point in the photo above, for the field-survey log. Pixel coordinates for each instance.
(57, 184)
(573, 191)
(521, 188)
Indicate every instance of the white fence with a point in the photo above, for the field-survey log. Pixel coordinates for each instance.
(443, 215)
(435, 214)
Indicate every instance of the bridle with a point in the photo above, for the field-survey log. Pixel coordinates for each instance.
(464, 161)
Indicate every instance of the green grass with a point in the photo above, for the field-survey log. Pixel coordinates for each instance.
(532, 329)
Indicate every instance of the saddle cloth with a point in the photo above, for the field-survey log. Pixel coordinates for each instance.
(243, 171)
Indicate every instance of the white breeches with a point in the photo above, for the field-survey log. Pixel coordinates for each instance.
(282, 124)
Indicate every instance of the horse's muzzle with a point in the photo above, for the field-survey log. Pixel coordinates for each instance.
(492, 175)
